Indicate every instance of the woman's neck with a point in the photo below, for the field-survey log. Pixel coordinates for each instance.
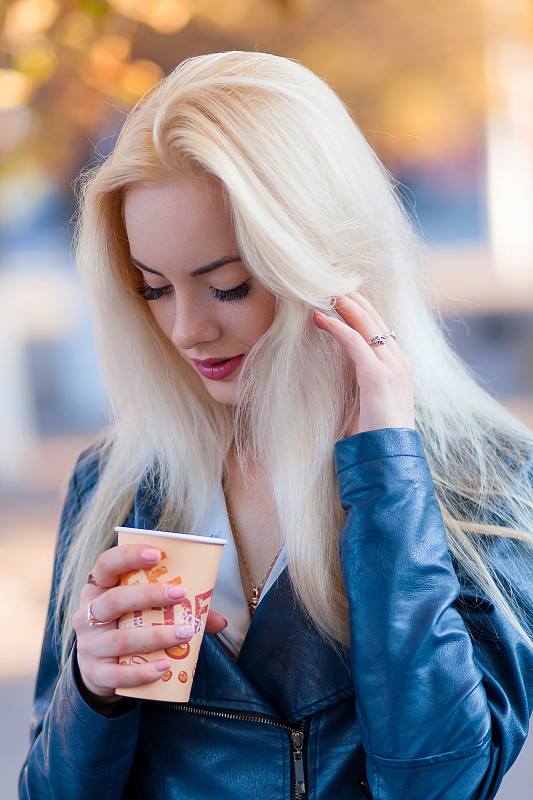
(254, 519)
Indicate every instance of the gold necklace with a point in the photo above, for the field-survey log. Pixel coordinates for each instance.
(256, 590)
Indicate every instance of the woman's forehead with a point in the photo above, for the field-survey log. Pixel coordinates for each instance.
(183, 222)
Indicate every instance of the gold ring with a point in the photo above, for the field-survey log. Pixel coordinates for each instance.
(91, 579)
(92, 621)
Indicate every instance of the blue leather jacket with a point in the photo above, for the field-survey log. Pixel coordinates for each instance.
(431, 700)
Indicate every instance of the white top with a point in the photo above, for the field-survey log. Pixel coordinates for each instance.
(228, 597)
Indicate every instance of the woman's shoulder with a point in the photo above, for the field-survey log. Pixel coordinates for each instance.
(84, 478)
(88, 466)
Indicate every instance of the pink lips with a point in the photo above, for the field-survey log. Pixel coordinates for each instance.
(217, 368)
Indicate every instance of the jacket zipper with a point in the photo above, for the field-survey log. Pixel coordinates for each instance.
(296, 735)
(298, 740)
(365, 788)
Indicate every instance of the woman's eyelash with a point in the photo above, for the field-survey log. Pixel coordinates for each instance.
(149, 293)
(223, 295)
(238, 293)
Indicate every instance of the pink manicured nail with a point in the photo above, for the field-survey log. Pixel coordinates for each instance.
(226, 623)
(176, 591)
(150, 554)
(184, 631)
(162, 665)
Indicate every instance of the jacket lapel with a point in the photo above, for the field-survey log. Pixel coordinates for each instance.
(287, 659)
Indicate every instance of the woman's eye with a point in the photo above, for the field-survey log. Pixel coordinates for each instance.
(238, 293)
(223, 295)
(149, 293)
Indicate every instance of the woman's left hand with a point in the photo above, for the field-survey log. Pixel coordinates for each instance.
(383, 373)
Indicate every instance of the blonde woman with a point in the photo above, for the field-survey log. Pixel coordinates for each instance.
(257, 301)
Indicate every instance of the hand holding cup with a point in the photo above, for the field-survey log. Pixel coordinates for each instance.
(99, 647)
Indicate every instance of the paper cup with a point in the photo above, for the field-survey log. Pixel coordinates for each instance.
(193, 561)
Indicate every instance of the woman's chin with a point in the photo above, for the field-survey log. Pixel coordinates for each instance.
(223, 392)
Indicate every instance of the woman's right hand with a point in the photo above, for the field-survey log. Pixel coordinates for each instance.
(99, 647)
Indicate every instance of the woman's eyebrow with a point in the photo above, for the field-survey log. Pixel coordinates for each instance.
(200, 271)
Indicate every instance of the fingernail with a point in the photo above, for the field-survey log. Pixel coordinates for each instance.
(175, 591)
(150, 554)
(184, 631)
(226, 623)
(162, 665)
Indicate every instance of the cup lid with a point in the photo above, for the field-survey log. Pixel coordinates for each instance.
(189, 537)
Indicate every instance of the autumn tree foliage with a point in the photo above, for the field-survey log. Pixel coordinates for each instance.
(412, 71)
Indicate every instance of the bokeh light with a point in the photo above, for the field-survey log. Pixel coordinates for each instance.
(16, 89)
(165, 16)
(25, 18)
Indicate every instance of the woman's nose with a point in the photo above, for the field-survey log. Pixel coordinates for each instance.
(194, 324)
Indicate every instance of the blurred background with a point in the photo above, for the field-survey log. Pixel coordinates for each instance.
(442, 89)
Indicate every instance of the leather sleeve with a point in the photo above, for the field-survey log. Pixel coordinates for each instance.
(75, 752)
(444, 683)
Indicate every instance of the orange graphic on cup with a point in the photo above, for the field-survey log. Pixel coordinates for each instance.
(192, 561)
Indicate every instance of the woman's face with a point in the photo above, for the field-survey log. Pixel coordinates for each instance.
(199, 291)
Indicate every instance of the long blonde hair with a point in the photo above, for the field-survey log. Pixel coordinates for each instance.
(315, 215)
